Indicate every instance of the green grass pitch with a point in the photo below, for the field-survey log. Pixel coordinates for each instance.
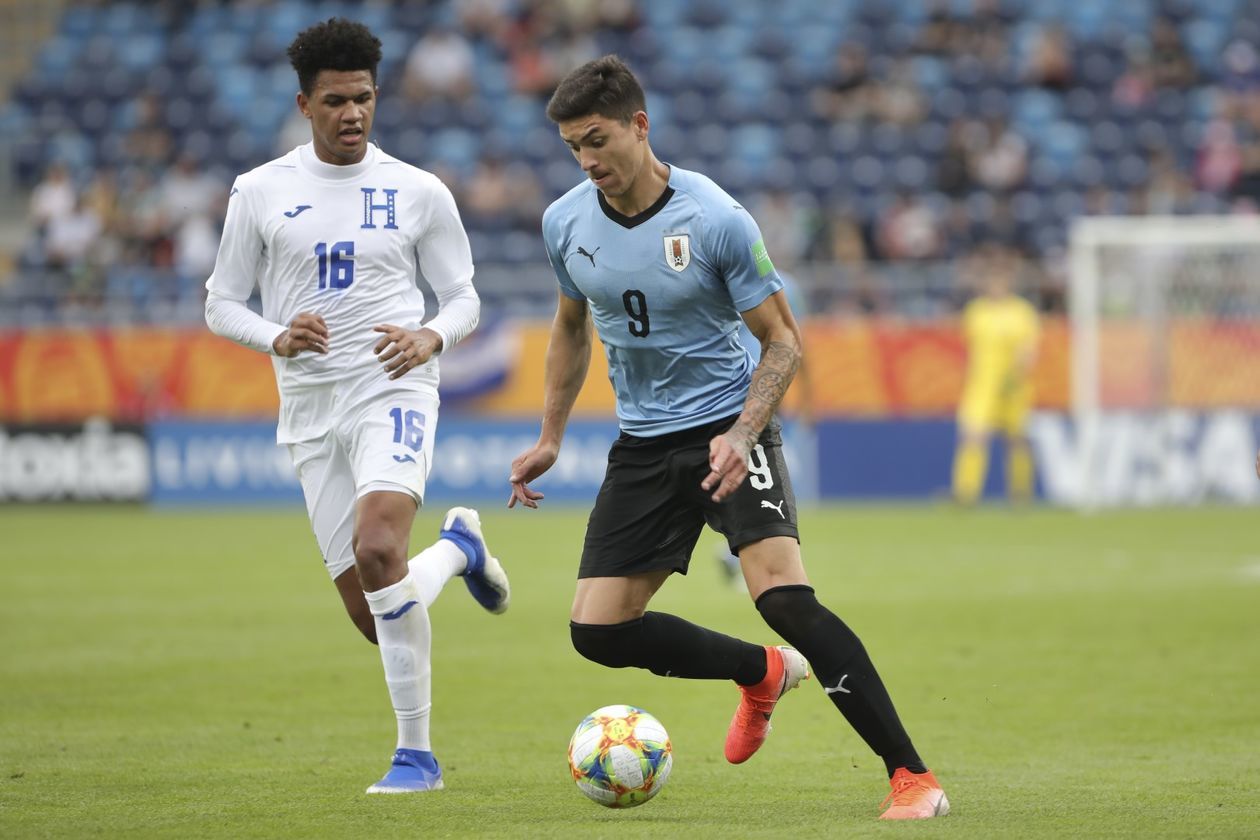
(187, 674)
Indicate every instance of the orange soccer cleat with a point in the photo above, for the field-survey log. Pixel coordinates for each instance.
(785, 668)
(915, 796)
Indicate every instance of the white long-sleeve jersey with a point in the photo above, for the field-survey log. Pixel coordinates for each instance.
(344, 242)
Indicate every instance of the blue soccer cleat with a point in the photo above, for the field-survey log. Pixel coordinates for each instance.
(484, 576)
(411, 771)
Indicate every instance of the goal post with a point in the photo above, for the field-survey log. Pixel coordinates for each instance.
(1165, 359)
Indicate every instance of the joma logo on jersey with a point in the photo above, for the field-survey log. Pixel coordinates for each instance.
(370, 207)
(677, 251)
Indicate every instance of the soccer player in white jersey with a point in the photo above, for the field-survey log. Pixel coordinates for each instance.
(666, 264)
(332, 234)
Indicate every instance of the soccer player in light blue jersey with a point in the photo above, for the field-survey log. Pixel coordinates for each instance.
(666, 265)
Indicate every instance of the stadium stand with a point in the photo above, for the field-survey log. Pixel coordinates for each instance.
(888, 138)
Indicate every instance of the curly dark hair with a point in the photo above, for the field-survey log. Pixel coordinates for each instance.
(335, 44)
(604, 86)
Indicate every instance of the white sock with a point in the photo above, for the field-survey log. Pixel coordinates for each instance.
(434, 566)
(402, 631)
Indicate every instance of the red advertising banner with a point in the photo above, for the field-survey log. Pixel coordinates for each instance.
(865, 368)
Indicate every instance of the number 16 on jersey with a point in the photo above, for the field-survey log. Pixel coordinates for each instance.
(336, 264)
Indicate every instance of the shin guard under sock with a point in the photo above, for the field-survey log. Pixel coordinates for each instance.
(843, 669)
(670, 646)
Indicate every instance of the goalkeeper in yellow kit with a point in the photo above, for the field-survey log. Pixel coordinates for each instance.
(1001, 331)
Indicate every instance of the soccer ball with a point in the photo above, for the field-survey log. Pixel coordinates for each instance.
(620, 756)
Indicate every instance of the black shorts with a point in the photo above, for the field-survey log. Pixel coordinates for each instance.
(650, 509)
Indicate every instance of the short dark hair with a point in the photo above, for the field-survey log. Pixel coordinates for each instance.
(335, 44)
(604, 86)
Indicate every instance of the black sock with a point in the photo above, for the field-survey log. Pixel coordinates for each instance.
(842, 666)
(669, 646)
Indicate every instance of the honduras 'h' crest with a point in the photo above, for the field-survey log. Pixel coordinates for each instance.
(677, 250)
(370, 206)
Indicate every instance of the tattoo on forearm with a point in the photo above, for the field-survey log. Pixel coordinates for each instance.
(770, 381)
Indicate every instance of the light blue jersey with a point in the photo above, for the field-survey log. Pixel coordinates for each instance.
(665, 289)
(796, 302)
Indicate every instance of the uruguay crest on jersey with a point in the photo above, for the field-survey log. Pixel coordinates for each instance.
(677, 250)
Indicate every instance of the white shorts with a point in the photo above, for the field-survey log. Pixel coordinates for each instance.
(384, 443)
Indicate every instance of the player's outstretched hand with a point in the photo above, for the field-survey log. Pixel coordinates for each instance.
(728, 463)
(401, 349)
(306, 332)
(530, 464)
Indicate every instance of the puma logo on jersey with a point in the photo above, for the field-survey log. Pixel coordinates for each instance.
(590, 256)
(297, 211)
(778, 508)
(403, 459)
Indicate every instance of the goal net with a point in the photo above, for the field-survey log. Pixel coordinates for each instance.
(1165, 333)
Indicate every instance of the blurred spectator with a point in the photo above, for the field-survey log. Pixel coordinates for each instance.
(1136, 84)
(1166, 190)
(1219, 159)
(1246, 190)
(195, 246)
(71, 237)
(940, 33)
(986, 34)
(482, 18)
(620, 16)
(953, 169)
(863, 296)
(1100, 201)
(439, 66)
(1050, 59)
(1240, 81)
(500, 196)
(841, 238)
(998, 156)
(146, 238)
(148, 140)
(294, 131)
(187, 191)
(787, 222)
(1171, 66)
(101, 197)
(569, 46)
(52, 197)
(1003, 227)
(897, 98)
(543, 46)
(908, 230)
(1048, 277)
(958, 232)
(847, 93)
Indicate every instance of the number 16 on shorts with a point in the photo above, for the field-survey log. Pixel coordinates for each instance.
(394, 442)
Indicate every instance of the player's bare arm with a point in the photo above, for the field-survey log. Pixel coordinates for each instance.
(773, 324)
(306, 332)
(564, 371)
(400, 349)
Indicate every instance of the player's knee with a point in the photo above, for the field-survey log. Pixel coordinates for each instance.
(785, 605)
(611, 645)
(377, 556)
(791, 611)
(795, 614)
